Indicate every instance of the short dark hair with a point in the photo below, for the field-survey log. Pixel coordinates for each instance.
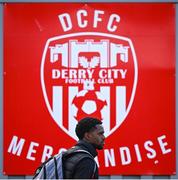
(85, 125)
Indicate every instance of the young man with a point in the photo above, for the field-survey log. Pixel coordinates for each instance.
(82, 165)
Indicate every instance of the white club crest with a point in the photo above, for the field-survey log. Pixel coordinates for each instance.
(81, 78)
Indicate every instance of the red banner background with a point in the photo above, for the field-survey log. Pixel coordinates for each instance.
(146, 138)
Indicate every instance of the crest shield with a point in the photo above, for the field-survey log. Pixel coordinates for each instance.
(89, 74)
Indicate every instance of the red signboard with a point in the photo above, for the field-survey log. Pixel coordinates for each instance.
(113, 61)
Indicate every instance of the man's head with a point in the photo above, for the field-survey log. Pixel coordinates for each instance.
(91, 130)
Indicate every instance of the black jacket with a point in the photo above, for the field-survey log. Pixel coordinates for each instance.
(81, 165)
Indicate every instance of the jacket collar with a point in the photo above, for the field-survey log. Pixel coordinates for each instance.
(87, 146)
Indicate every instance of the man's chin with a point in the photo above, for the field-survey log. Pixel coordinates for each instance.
(100, 147)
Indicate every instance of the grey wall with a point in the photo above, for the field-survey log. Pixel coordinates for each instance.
(1, 88)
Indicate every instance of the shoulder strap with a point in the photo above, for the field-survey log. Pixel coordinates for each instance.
(84, 151)
(94, 171)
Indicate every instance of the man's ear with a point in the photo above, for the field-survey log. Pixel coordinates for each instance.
(87, 136)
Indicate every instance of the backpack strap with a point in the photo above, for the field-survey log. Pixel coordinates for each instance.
(84, 151)
(94, 171)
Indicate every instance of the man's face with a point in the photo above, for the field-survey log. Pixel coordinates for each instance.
(96, 136)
